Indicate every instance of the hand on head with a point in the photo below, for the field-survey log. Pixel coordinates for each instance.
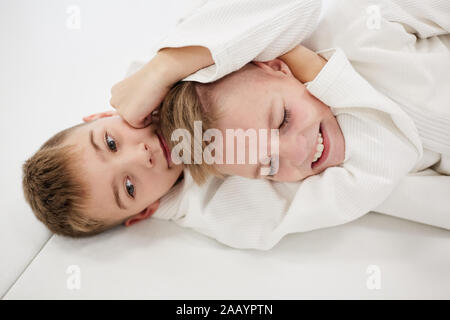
(135, 97)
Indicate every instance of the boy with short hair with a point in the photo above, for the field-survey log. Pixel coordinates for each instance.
(97, 175)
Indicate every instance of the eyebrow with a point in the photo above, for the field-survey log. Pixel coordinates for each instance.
(116, 195)
(91, 138)
(113, 185)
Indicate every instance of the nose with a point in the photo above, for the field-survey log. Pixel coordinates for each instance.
(294, 148)
(144, 156)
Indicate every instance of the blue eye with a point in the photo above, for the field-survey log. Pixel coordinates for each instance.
(110, 142)
(130, 188)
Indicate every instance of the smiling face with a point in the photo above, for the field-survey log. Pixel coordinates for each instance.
(126, 169)
(268, 96)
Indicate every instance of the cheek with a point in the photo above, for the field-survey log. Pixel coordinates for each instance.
(154, 186)
(293, 148)
(302, 114)
(307, 109)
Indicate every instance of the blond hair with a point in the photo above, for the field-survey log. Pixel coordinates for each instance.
(53, 188)
(181, 107)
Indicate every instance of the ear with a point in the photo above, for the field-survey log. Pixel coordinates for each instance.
(144, 214)
(100, 115)
(274, 67)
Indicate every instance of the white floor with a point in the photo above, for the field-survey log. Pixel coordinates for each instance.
(375, 257)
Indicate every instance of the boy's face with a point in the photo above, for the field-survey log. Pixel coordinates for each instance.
(126, 169)
(277, 100)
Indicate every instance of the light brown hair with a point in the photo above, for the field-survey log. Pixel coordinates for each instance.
(181, 107)
(54, 189)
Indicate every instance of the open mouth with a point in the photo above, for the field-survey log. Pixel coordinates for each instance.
(322, 148)
(164, 148)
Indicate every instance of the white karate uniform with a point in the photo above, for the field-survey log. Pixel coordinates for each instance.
(383, 143)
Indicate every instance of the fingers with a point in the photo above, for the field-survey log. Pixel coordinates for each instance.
(110, 113)
(148, 120)
(96, 116)
(137, 96)
(90, 118)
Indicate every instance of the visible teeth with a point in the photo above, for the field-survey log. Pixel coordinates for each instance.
(317, 155)
(319, 148)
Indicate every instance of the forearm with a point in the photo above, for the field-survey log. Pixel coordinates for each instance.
(248, 30)
(175, 64)
(304, 63)
(137, 96)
